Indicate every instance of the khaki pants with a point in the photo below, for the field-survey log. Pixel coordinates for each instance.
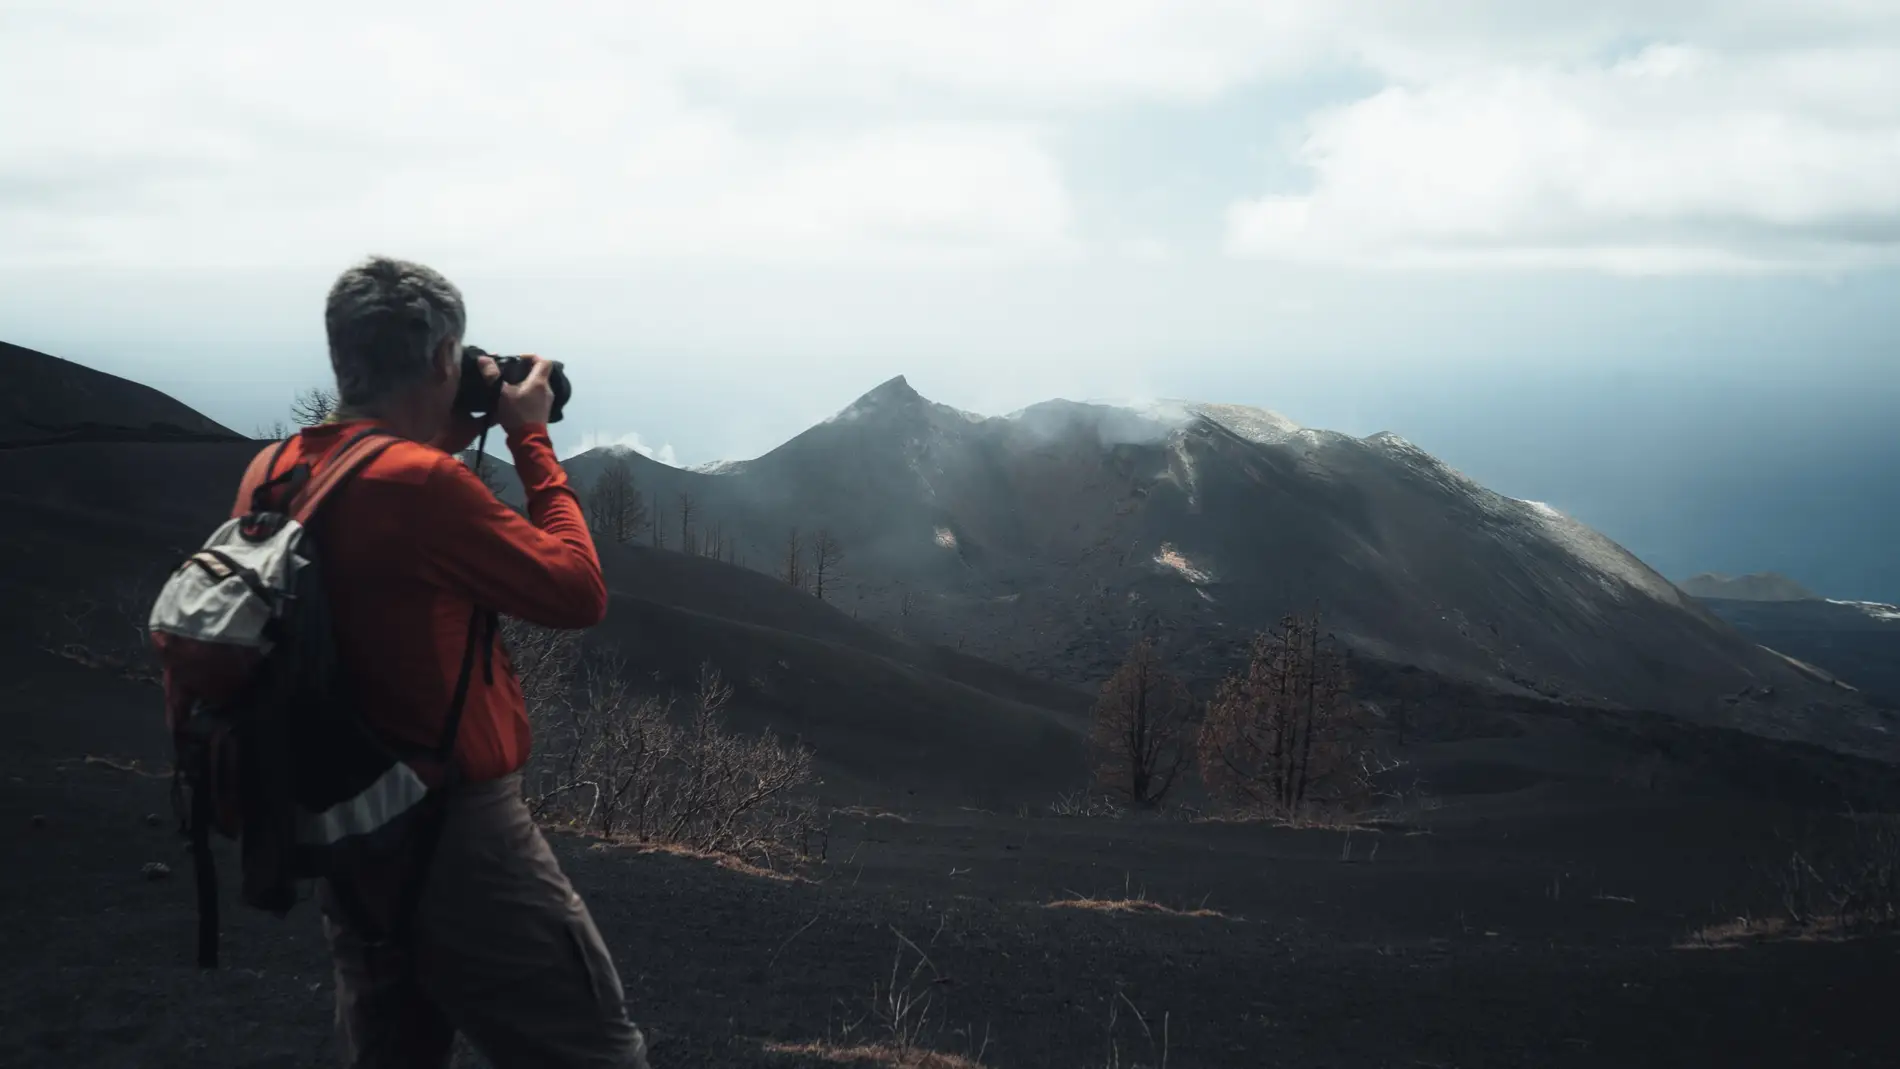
(502, 950)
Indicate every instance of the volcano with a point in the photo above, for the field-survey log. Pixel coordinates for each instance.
(1049, 538)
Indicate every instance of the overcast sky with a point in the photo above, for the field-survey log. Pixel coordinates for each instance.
(1621, 256)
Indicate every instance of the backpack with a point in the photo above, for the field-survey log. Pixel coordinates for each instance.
(268, 746)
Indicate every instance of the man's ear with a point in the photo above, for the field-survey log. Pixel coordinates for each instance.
(447, 357)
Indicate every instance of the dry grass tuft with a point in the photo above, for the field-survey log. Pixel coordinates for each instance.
(131, 667)
(871, 813)
(1752, 931)
(903, 1026)
(1731, 934)
(729, 862)
(882, 1054)
(132, 766)
(1131, 905)
(1084, 804)
(1313, 822)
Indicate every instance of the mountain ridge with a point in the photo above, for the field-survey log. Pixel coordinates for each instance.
(51, 399)
(1047, 540)
(1756, 586)
(1051, 535)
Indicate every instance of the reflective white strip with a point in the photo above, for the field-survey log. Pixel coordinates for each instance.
(376, 805)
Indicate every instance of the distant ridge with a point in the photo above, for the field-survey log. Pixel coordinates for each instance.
(1756, 586)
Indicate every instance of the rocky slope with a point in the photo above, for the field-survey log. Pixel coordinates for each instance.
(1855, 641)
(1048, 538)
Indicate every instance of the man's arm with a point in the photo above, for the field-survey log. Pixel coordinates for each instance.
(542, 569)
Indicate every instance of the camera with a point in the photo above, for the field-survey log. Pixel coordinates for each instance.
(476, 396)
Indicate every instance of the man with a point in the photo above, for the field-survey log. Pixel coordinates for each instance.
(499, 947)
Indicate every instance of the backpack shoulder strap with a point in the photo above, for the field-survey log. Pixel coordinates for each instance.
(349, 458)
(265, 462)
(259, 475)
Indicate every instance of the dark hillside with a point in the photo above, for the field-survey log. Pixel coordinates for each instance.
(49, 399)
(885, 731)
(100, 523)
(744, 596)
(740, 594)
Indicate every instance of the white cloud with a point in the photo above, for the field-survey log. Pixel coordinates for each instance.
(1146, 250)
(1677, 159)
(572, 134)
(218, 135)
(1053, 53)
(629, 441)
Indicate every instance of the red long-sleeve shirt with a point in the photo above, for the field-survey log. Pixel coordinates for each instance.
(412, 544)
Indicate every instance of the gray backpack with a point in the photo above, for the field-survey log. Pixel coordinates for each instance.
(269, 748)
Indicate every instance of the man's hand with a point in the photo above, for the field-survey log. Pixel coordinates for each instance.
(528, 402)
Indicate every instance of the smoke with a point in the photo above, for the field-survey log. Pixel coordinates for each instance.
(1113, 423)
(630, 440)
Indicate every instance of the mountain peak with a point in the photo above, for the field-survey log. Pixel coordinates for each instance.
(894, 395)
(897, 388)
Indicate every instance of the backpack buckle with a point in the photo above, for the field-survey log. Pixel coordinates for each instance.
(258, 526)
(264, 499)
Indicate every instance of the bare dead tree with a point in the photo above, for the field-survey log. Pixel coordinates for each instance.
(658, 526)
(571, 771)
(313, 405)
(1139, 740)
(103, 630)
(826, 552)
(714, 543)
(1837, 872)
(1283, 732)
(792, 568)
(275, 431)
(614, 762)
(729, 787)
(616, 510)
(688, 509)
(626, 752)
(545, 661)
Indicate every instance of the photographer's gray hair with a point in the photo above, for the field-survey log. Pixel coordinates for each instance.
(386, 318)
